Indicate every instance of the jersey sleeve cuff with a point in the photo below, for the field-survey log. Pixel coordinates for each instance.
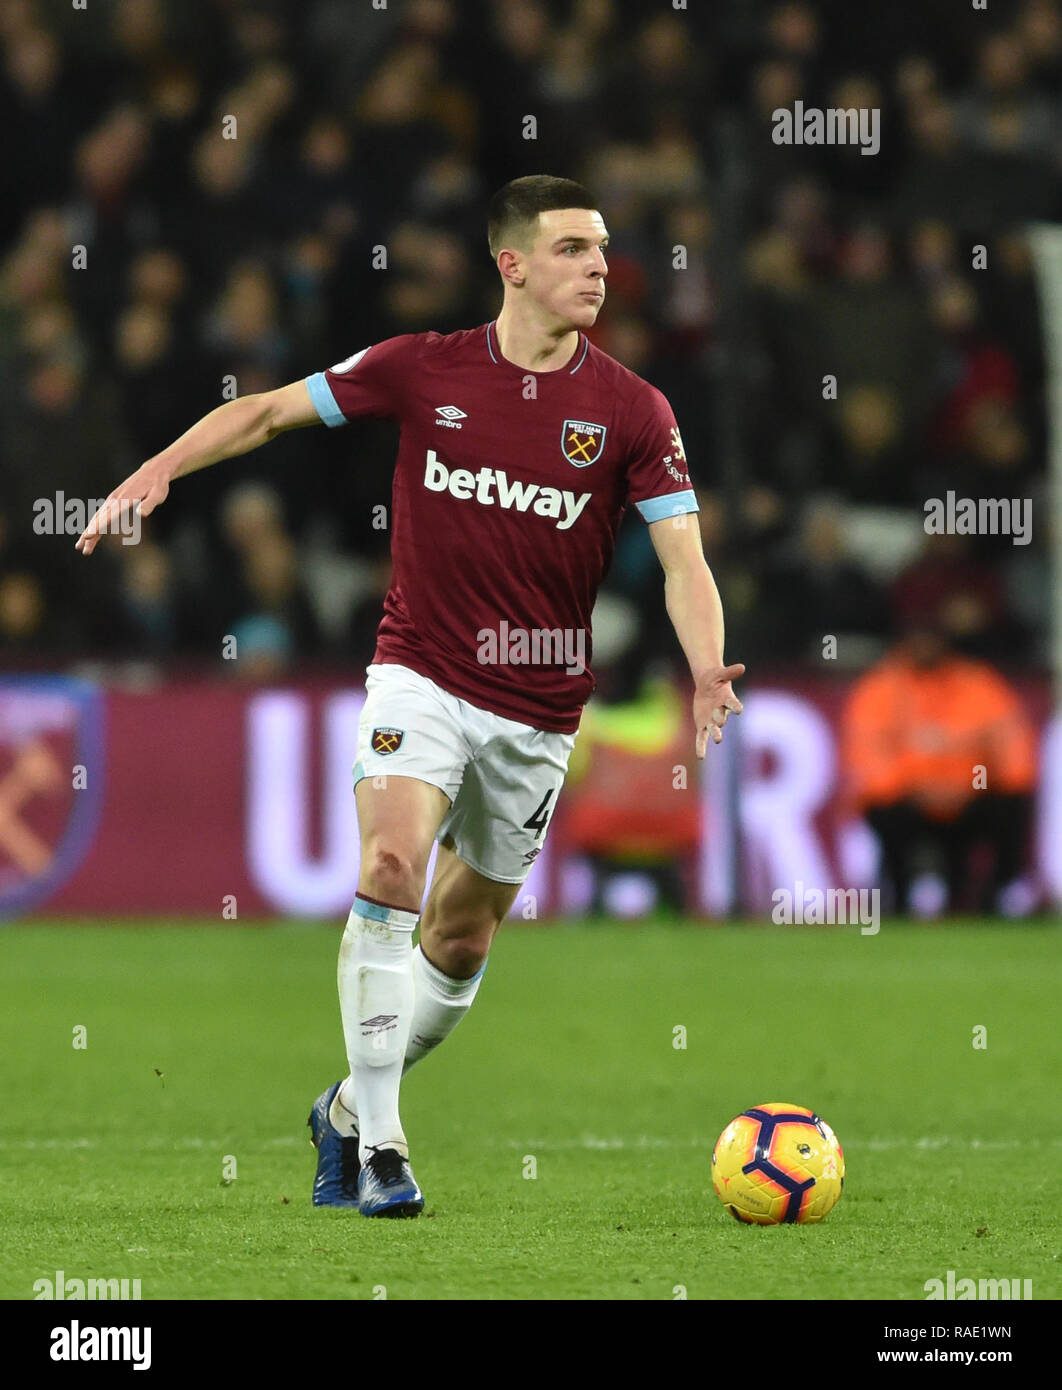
(671, 504)
(323, 400)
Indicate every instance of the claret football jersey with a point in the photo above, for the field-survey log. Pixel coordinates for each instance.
(508, 491)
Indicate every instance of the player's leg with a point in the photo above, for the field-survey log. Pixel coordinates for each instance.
(489, 840)
(463, 912)
(411, 753)
(411, 1003)
(502, 797)
(397, 818)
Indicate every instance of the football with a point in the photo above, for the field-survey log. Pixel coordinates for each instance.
(777, 1164)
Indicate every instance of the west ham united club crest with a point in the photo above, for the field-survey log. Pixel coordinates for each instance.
(387, 740)
(52, 772)
(581, 443)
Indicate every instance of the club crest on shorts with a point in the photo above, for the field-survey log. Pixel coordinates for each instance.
(581, 442)
(387, 740)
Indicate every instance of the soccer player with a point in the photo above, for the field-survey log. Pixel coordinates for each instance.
(521, 446)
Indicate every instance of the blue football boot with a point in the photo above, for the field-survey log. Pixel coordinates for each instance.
(387, 1186)
(338, 1165)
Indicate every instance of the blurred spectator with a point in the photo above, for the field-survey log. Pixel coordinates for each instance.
(660, 75)
(244, 330)
(149, 607)
(933, 251)
(966, 595)
(22, 614)
(148, 360)
(429, 284)
(35, 102)
(940, 758)
(263, 587)
(1039, 28)
(867, 459)
(622, 810)
(972, 368)
(1001, 110)
(401, 134)
(263, 648)
(940, 178)
(251, 512)
(273, 589)
(817, 592)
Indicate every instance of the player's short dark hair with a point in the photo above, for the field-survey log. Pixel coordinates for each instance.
(514, 209)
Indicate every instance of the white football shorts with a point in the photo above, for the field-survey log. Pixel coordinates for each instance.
(503, 778)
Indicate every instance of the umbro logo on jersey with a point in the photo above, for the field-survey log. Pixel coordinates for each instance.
(450, 416)
(492, 485)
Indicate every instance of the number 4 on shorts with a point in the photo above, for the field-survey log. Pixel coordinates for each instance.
(540, 819)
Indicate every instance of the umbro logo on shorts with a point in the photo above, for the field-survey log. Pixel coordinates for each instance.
(387, 740)
(379, 1021)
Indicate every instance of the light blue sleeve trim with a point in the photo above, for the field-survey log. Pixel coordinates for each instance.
(324, 401)
(671, 504)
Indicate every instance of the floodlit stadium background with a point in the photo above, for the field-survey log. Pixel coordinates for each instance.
(150, 267)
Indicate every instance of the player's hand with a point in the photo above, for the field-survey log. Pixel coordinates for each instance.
(713, 703)
(144, 490)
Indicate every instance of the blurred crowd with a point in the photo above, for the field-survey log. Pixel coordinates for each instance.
(213, 266)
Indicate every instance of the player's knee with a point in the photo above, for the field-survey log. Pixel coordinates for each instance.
(458, 948)
(392, 875)
(460, 957)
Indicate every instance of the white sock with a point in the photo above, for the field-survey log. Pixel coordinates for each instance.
(440, 1003)
(376, 1000)
(341, 1113)
(439, 1006)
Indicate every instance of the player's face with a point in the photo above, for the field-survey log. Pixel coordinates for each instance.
(566, 267)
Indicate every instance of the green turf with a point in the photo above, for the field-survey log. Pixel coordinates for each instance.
(110, 1170)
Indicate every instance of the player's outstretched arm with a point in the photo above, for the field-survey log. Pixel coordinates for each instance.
(234, 428)
(696, 613)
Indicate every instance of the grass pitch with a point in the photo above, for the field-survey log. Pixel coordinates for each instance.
(204, 1048)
